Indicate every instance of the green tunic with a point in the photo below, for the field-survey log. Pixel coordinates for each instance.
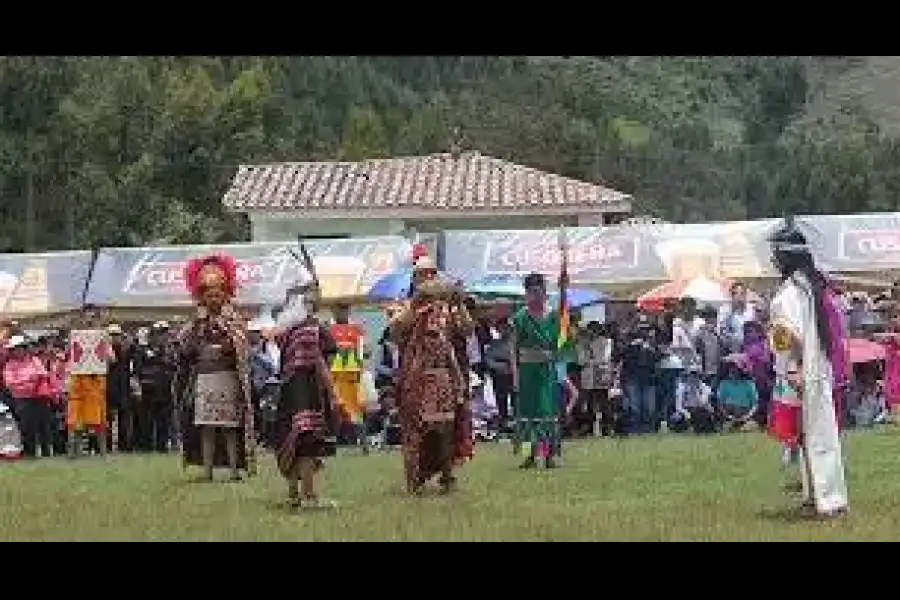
(537, 409)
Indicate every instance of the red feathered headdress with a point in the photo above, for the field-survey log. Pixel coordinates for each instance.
(216, 269)
(418, 251)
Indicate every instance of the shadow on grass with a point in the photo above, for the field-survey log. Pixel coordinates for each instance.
(797, 514)
(786, 514)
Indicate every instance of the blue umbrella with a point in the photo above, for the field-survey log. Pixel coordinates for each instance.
(578, 297)
(393, 286)
(510, 286)
(497, 286)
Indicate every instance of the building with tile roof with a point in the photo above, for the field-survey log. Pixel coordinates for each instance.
(413, 194)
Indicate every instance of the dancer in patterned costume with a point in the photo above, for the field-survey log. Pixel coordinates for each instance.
(214, 374)
(431, 387)
(462, 327)
(307, 410)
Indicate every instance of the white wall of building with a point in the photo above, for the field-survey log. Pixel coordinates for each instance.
(275, 229)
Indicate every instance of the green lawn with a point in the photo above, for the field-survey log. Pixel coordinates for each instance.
(659, 488)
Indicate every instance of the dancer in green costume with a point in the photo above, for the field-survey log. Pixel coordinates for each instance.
(537, 332)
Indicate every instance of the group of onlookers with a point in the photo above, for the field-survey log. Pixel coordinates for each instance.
(688, 367)
(33, 384)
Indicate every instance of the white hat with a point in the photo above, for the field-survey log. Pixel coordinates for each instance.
(16, 341)
(161, 325)
(424, 263)
(114, 329)
(254, 326)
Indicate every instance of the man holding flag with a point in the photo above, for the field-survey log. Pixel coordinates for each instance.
(539, 335)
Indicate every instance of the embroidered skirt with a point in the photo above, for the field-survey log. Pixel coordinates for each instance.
(217, 400)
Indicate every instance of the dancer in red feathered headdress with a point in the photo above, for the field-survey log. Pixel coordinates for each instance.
(216, 272)
(214, 375)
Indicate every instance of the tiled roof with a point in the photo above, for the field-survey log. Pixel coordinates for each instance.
(441, 182)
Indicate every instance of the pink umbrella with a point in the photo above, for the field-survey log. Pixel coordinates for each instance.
(863, 351)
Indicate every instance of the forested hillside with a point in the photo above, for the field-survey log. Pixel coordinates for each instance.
(129, 150)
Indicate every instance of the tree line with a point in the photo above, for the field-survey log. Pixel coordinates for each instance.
(109, 151)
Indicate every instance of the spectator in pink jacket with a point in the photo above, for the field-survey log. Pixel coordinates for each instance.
(27, 381)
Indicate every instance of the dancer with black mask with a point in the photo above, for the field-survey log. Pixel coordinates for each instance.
(803, 413)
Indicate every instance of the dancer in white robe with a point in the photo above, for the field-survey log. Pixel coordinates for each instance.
(803, 411)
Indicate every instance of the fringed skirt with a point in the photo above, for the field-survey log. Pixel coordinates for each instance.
(429, 410)
(304, 426)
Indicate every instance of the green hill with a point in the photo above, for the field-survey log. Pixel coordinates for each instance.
(129, 150)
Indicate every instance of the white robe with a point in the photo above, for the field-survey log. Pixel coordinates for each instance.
(822, 465)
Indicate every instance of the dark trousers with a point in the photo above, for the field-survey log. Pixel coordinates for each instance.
(121, 418)
(125, 423)
(597, 403)
(152, 420)
(666, 388)
(60, 431)
(161, 415)
(36, 424)
(503, 392)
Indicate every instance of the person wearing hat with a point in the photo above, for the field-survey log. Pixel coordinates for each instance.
(536, 332)
(424, 269)
(804, 333)
(24, 375)
(431, 386)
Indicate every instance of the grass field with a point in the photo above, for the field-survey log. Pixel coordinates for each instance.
(658, 488)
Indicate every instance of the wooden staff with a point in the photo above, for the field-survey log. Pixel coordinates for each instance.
(563, 281)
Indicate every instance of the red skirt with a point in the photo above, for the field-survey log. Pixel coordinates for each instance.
(784, 422)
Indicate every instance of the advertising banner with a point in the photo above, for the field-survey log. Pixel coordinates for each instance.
(153, 277)
(648, 253)
(41, 284)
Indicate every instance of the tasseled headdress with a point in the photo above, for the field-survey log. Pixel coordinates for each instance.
(432, 289)
(217, 270)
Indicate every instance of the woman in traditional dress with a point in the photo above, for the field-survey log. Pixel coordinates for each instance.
(536, 333)
(307, 413)
(431, 388)
(214, 374)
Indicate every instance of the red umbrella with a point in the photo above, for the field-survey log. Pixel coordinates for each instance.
(863, 351)
(701, 289)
